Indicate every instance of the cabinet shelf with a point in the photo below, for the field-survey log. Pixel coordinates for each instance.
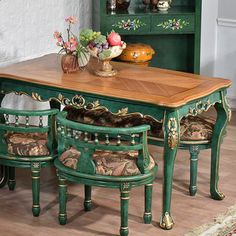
(174, 35)
(140, 10)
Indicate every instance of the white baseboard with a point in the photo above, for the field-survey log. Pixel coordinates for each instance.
(226, 22)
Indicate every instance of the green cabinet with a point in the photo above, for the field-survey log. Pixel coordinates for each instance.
(174, 35)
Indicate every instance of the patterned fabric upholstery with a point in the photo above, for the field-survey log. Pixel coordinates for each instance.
(196, 128)
(107, 162)
(193, 128)
(27, 144)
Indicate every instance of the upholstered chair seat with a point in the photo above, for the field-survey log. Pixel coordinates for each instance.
(194, 128)
(107, 162)
(27, 144)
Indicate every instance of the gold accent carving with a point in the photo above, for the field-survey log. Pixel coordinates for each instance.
(79, 101)
(125, 187)
(148, 213)
(36, 165)
(229, 109)
(200, 107)
(166, 221)
(124, 198)
(172, 134)
(124, 228)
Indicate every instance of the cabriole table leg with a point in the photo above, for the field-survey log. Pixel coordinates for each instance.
(171, 129)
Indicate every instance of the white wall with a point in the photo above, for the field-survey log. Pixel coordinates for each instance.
(27, 26)
(225, 64)
(208, 36)
(227, 9)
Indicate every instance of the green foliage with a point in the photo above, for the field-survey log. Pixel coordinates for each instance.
(104, 54)
(88, 35)
(101, 39)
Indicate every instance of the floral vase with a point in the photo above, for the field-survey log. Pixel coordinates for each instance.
(69, 63)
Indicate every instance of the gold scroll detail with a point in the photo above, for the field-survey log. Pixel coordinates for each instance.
(200, 107)
(80, 102)
(229, 109)
(172, 133)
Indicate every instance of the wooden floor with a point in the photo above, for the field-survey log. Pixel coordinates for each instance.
(189, 212)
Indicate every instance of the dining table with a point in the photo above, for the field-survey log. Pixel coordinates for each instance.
(165, 95)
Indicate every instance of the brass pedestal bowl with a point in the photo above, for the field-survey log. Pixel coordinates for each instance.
(107, 70)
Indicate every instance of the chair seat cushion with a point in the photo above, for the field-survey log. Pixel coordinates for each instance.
(107, 162)
(196, 128)
(193, 128)
(27, 144)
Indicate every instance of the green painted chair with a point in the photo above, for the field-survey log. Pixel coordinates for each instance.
(105, 157)
(196, 131)
(195, 135)
(25, 146)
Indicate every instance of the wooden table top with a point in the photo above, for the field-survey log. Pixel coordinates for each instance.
(151, 85)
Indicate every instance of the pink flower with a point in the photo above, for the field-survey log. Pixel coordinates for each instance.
(57, 35)
(66, 45)
(72, 40)
(71, 19)
(73, 48)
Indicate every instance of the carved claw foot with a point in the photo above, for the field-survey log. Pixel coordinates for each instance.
(216, 195)
(167, 221)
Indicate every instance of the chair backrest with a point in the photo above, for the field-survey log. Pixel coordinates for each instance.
(23, 126)
(89, 138)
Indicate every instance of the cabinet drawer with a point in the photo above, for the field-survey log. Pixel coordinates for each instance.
(173, 24)
(127, 25)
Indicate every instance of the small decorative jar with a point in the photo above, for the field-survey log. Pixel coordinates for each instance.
(111, 5)
(69, 63)
(137, 53)
(154, 5)
(163, 5)
(122, 4)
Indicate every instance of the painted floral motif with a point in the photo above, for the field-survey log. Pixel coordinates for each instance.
(129, 24)
(174, 24)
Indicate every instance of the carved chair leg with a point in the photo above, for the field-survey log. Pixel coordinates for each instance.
(148, 204)
(62, 217)
(194, 152)
(35, 173)
(87, 199)
(11, 179)
(124, 205)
